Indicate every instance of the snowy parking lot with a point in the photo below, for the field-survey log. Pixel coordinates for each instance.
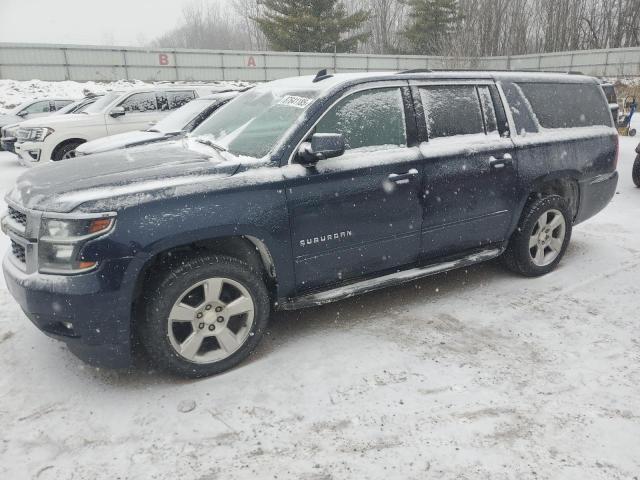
(474, 374)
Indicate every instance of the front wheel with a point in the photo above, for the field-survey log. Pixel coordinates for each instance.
(635, 173)
(65, 151)
(542, 237)
(204, 315)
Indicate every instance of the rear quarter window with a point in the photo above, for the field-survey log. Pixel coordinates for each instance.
(567, 105)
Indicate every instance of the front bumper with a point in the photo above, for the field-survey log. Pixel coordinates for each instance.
(29, 153)
(8, 144)
(595, 194)
(91, 313)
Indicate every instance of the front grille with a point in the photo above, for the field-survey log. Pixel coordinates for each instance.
(18, 251)
(18, 217)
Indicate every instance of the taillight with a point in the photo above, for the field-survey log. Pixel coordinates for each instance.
(615, 161)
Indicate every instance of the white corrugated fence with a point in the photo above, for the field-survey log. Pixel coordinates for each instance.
(20, 61)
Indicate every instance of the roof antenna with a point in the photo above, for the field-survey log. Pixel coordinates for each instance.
(321, 75)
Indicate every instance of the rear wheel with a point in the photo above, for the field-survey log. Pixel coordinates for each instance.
(204, 316)
(542, 237)
(635, 173)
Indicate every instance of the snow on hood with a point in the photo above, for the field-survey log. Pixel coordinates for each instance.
(8, 119)
(120, 140)
(83, 119)
(149, 171)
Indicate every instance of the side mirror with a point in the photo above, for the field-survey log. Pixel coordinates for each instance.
(22, 114)
(117, 112)
(321, 146)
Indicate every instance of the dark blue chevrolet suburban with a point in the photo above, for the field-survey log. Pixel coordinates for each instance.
(299, 192)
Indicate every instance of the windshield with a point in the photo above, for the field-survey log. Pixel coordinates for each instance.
(252, 123)
(100, 104)
(178, 120)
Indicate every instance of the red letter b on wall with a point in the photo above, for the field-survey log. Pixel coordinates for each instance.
(163, 59)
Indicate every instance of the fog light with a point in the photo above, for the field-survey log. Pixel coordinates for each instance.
(67, 325)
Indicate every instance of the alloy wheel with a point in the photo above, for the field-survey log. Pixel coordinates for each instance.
(211, 320)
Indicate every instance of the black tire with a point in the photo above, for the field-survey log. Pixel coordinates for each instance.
(62, 151)
(635, 172)
(166, 288)
(518, 256)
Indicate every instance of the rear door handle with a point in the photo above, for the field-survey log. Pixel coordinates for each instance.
(498, 164)
(403, 178)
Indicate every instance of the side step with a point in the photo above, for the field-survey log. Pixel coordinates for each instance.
(365, 286)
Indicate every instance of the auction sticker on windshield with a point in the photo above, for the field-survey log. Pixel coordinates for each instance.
(293, 101)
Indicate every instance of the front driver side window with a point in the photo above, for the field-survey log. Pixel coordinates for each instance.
(38, 107)
(371, 118)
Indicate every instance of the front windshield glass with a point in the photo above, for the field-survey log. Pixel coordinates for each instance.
(177, 120)
(100, 104)
(252, 123)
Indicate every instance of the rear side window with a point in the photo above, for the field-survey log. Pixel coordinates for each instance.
(140, 102)
(62, 103)
(178, 99)
(567, 105)
(452, 110)
(490, 120)
(371, 118)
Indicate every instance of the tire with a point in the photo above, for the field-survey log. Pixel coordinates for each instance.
(632, 132)
(635, 172)
(64, 151)
(522, 255)
(186, 284)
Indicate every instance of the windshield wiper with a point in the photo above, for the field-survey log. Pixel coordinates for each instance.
(211, 144)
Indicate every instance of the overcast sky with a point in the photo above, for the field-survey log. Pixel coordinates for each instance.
(113, 22)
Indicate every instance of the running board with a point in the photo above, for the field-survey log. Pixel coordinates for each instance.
(365, 286)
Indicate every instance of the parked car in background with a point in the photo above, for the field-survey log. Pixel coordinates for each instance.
(612, 98)
(53, 138)
(9, 133)
(40, 107)
(177, 123)
(300, 192)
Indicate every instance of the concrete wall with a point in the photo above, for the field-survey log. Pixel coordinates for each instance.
(99, 63)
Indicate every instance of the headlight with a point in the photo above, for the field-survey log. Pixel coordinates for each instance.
(36, 134)
(62, 239)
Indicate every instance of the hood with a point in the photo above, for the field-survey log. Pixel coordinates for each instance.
(121, 140)
(82, 119)
(8, 119)
(118, 177)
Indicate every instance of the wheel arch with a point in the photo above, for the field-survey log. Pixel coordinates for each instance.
(564, 184)
(65, 142)
(248, 248)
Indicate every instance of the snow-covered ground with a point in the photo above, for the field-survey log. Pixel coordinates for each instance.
(474, 374)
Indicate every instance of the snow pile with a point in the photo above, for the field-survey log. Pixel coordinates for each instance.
(14, 92)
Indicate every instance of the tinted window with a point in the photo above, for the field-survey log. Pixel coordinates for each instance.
(140, 102)
(178, 99)
(452, 110)
(370, 118)
(62, 103)
(38, 107)
(566, 105)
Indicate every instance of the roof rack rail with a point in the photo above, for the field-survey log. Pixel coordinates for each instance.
(415, 70)
(322, 75)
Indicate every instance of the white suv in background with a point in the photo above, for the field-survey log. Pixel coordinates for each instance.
(53, 138)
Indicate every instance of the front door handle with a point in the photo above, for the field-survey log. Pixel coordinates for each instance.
(498, 164)
(403, 178)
